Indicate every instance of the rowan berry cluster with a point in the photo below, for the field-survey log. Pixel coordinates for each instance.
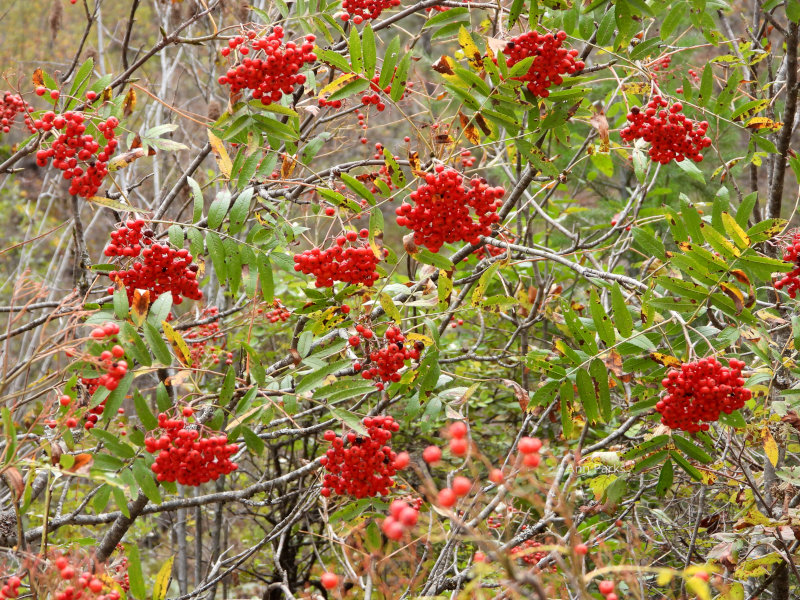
(672, 136)
(207, 340)
(10, 107)
(529, 448)
(524, 552)
(388, 360)
(278, 313)
(373, 97)
(791, 279)
(365, 9)
(162, 269)
(700, 391)
(110, 361)
(78, 154)
(80, 584)
(186, 457)
(551, 62)
(467, 160)
(441, 211)
(332, 104)
(265, 66)
(361, 466)
(352, 264)
(401, 518)
(11, 588)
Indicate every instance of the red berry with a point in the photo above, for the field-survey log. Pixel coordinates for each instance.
(581, 549)
(432, 455)
(606, 587)
(461, 486)
(446, 497)
(329, 580)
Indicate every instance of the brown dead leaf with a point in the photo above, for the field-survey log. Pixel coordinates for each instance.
(735, 295)
(287, 166)
(496, 45)
(38, 77)
(139, 306)
(665, 359)
(520, 392)
(416, 165)
(470, 131)
(129, 103)
(82, 463)
(14, 480)
(444, 66)
(600, 123)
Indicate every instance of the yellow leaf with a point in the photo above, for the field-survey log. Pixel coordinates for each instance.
(698, 587)
(636, 88)
(445, 289)
(470, 131)
(445, 67)
(221, 154)
(123, 160)
(162, 580)
(665, 359)
(418, 337)
(763, 123)
(115, 204)
(389, 308)
(770, 447)
(471, 52)
(664, 577)
(178, 343)
(337, 84)
(129, 103)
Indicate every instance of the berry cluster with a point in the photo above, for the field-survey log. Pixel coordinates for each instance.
(333, 103)
(361, 466)
(80, 584)
(529, 448)
(12, 105)
(401, 517)
(74, 145)
(791, 279)
(373, 96)
(441, 213)
(388, 360)
(278, 313)
(207, 340)
(272, 74)
(11, 588)
(700, 391)
(353, 264)
(365, 9)
(186, 457)
(672, 136)
(551, 62)
(162, 269)
(523, 552)
(482, 252)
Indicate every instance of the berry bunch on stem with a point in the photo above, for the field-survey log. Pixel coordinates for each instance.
(278, 313)
(401, 517)
(441, 211)
(81, 157)
(349, 260)
(75, 581)
(387, 361)
(672, 136)
(265, 66)
(791, 280)
(550, 63)
(206, 341)
(700, 391)
(359, 10)
(12, 105)
(185, 456)
(361, 466)
(161, 269)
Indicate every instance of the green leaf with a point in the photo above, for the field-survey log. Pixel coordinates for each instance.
(143, 411)
(144, 477)
(81, 79)
(664, 479)
(157, 344)
(133, 345)
(400, 78)
(216, 250)
(355, 51)
(135, 576)
(684, 464)
(734, 231)
(599, 373)
(650, 461)
(117, 447)
(674, 17)
(567, 395)
(389, 62)
(368, 50)
(648, 243)
(315, 378)
(239, 211)
(358, 187)
(706, 87)
(587, 395)
(121, 306)
(601, 320)
(218, 210)
(688, 167)
(265, 277)
(106, 462)
(691, 449)
(427, 257)
(254, 443)
(349, 419)
(350, 89)
(622, 316)
(395, 172)
(159, 310)
(228, 386)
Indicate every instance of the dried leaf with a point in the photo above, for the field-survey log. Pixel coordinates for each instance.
(758, 123)
(735, 295)
(770, 447)
(287, 166)
(129, 103)
(14, 480)
(470, 131)
(123, 160)
(82, 463)
(220, 154)
(38, 77)
(520, 392)
(665, 359)
(139, 306)
(600, 123)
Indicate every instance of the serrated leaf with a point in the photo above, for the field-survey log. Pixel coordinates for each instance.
(220, 154)
(602, 321)
(316, 377)
(144, 477)
(349, 419)
(587, 395)
(157, 345)
(162, 579)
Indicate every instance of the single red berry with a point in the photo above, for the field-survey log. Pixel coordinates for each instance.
(329, 580)
(432, 455)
